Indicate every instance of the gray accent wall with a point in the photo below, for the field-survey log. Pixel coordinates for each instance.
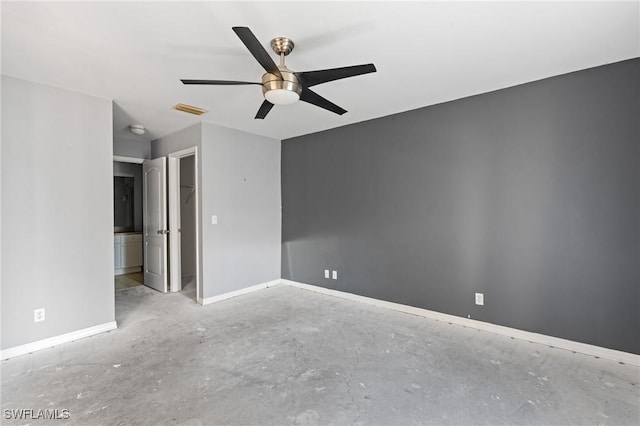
(529, 195)
(57, 211)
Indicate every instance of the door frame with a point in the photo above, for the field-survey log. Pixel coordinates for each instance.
(174, 215)
(133, 160)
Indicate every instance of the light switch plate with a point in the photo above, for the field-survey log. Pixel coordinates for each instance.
(214, 220)
(326, 273)
(334, 275)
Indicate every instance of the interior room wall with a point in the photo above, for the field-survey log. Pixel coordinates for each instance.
(239, 183)
(57, 221)
(135, 147)
(241, 186)
(188, 216)
(529, 195)
(135, 171)
(188, 137)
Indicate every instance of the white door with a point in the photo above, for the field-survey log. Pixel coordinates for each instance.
(154, 208)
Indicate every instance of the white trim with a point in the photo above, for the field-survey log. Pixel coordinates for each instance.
(570, 345)
(125, 271)
(184, 152)
(240, 292)
(57, 340)
(175, 252)
(128, 159)
(181, 154)
(198, 182)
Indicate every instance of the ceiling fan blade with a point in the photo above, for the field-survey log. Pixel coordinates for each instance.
(264, 109)
(256, 49)
(313, 98)
(219, 82)
(311, 78)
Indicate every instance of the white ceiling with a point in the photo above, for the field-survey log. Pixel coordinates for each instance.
(425, 53)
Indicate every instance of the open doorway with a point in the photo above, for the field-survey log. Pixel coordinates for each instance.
(183, 223)
(127, 226)
(180, 184)
(188, 226)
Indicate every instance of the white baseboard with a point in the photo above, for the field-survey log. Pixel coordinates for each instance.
(224, 296)
(56, 340)
(570, 345)
(125, 271)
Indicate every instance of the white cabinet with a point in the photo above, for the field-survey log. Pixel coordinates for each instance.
(127, 248)
(131, 251)
(116, 252)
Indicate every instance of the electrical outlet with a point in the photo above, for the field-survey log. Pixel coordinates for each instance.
(326, 273)
(479, 298)
(214, 219)
(334, 275)
(38, 315)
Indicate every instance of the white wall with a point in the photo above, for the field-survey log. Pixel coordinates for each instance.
(241, 186)
(239, 182)
(57, 221)
(182, 139)
(133, 146)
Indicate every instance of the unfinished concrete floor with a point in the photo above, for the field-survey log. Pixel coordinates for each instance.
(289, 356)
(129, 280)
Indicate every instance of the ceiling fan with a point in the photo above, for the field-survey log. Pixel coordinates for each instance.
(280, 85)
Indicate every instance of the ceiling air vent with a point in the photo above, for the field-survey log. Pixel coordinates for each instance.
(190, 109)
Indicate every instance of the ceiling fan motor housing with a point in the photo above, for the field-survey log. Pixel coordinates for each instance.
(281, 91)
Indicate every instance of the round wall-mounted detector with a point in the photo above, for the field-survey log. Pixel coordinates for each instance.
(137, 129)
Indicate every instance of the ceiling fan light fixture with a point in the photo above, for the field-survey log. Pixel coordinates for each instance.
(281, 91)
(281, 96)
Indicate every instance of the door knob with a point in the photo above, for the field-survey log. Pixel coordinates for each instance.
(163, 231)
